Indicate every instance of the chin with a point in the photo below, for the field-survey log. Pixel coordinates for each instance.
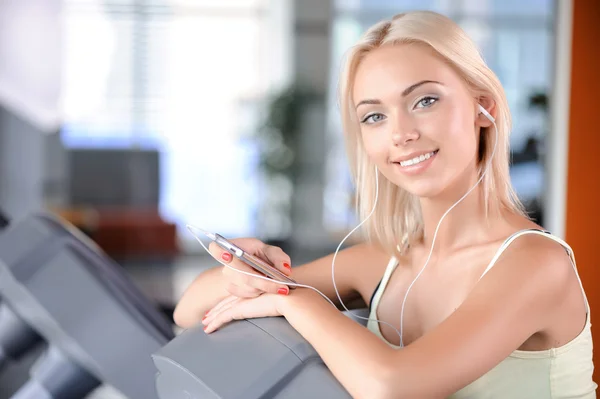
(426, 188)
(424, 191)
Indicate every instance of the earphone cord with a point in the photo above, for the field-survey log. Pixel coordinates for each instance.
(190, 228)
(430, 250)
(436, 232)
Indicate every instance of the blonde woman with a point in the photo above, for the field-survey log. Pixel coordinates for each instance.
(484, 304)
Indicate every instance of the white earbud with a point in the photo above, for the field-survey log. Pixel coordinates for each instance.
(487, 114)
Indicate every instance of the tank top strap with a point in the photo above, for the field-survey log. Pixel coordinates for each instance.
(389, 269)
(546, 234)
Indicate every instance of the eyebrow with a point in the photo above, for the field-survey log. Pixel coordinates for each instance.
(405, 93)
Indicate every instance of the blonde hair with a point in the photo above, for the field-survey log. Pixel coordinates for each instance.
(397, 220)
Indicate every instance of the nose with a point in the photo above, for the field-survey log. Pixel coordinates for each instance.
(404, 135)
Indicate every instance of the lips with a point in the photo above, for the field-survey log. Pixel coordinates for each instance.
(415, 158)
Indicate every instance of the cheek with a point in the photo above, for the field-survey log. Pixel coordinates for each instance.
(459, 134)
(375, 146)
(465, 144)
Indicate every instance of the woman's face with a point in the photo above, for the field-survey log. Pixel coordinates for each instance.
(418, 119)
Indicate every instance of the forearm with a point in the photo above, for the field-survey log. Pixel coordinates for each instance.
(356, 357)
(206, 291)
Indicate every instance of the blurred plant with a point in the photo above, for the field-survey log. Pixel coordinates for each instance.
(278, 138)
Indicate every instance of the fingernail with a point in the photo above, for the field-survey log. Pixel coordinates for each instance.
(287, 266)
(226, 256)
(282, 291)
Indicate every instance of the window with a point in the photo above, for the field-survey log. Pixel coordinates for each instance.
(183, 77)
(516, 40)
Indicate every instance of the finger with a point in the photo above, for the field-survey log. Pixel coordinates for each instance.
(250, 245)
(217, 313)
(242, 291)
(234, 311)
(269, 253)
(219, 253)
(216, 323)
(250, 279)
(219, 306)
(263, 306)
(232, 273)
(278, 258)
(266, 284)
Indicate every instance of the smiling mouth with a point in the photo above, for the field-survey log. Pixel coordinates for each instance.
(417, 160)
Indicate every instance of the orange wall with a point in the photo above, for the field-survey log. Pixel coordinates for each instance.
(583, 175)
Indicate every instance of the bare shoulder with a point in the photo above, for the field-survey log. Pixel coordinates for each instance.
(536, 269)
(535, 254)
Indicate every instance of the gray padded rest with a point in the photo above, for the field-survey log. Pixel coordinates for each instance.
(247, 359)
(81, 303)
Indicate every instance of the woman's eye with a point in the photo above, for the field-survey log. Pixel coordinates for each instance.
(426, 102)
(373, 118)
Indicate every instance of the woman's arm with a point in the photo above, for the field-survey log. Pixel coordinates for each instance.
(516, 299)
(356, 273)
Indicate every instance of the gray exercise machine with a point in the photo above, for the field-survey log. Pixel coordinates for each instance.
(58, 288)
(246, 359)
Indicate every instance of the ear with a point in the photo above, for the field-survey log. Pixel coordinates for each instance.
(490, 105)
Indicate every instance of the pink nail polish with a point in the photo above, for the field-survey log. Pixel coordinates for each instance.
(282, 291)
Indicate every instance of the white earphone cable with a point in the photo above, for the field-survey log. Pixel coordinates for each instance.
(436, 232)
(340, 245)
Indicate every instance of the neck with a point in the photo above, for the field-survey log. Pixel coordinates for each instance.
(462, 225)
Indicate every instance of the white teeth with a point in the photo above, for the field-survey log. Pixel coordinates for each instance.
(417, 160)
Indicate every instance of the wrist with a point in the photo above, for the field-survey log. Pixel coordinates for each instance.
(296, 298)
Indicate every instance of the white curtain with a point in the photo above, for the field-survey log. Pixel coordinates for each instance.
(30, 60)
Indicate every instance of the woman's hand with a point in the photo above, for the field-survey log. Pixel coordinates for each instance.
(235, 308)
(243, 286)
(265, 305)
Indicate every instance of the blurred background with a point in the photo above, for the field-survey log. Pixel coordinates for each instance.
(137, 117)
(133, 118)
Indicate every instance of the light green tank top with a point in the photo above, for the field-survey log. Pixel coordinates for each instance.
(564, 372)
